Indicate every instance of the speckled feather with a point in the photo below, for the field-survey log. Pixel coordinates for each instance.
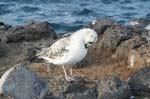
(56, 50)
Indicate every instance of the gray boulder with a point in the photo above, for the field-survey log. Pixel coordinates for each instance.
(72, 90)
(140, 82)
(30, 32)
(114, 35)
(112, 88)
(85, 93)
(21, 83)
(78, 90)
(122, 51)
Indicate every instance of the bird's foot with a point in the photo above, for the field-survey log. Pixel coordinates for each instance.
(73, 78)
(70, 79)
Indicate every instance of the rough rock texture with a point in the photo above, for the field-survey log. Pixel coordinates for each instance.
(140, 26)
(123, 49)
(52, 97)
(74, 90)
(29, 32)
(78, 90)
(100, 25)
(112, 88)
(3, 52)
(141, 22)
(146, 35)
(84, 93)
(114, 35)
(140, 82)
(21, 83)
(139, 57)
(3, 29)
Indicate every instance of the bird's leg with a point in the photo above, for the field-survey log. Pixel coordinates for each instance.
(69, 79)
(66, 77)
(71, 71)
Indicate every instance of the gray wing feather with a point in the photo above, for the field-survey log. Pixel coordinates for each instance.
(58, 49)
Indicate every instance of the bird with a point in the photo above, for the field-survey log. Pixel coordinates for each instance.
(69, 50)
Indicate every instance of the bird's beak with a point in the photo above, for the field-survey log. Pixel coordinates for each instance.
(91, 43)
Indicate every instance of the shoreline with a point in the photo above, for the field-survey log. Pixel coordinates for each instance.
(120, 53)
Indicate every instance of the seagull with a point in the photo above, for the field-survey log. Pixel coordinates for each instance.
(69, 50)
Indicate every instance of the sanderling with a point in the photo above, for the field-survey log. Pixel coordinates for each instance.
(69, 50)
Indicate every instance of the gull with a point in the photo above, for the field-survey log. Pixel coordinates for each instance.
(69, 50)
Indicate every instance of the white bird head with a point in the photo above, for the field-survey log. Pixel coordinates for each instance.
(89, 36)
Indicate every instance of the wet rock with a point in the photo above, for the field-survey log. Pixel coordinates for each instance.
(21, 83)
(123, 49)
(139, 25)
(100, 25)
(140, 82)
(141, 21)
(1, 23)
(30, 32)
(112, 88)
(4, 27)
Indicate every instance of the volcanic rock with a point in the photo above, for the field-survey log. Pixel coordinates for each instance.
(140, 82)
(112, 88)
(100, 25)
(30, 32)
(21, 83)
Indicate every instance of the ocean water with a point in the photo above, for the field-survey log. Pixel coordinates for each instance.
(69, 15)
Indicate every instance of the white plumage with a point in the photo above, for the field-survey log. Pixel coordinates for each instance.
(69, 50)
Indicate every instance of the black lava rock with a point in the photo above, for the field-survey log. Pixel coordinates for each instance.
(140, 82)
(30, 32)
(112, 88)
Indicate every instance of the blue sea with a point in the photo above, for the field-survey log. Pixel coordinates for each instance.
(69, 15)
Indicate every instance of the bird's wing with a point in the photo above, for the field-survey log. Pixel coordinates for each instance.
(58, 49)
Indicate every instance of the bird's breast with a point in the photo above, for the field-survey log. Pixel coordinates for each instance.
(76, 54)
